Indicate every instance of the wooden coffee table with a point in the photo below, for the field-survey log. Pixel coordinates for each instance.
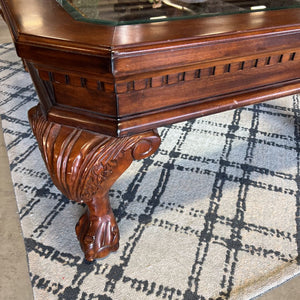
(105, 85)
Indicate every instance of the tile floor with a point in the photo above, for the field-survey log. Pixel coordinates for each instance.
(14, 277)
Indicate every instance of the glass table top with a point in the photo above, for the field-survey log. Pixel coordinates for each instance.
(120, 12)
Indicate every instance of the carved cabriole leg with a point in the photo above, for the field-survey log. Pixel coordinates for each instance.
(84, 165)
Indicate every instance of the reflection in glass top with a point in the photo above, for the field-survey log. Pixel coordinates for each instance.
(117, 12)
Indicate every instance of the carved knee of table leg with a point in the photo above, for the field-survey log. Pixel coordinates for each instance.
(84, 165)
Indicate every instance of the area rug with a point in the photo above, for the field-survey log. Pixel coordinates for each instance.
(220, 196)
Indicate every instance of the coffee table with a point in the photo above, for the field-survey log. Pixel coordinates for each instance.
(108, 73)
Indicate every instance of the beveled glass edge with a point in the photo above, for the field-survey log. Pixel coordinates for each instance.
(77, 15)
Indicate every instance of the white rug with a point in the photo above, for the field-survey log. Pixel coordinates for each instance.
(214, 214)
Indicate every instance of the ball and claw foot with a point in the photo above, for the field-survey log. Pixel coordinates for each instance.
(98, 236)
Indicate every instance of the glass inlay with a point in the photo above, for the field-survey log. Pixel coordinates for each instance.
(118, 12)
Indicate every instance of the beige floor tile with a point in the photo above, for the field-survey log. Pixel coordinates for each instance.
(14, 277)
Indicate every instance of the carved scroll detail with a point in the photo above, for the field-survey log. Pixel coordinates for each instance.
(84, 165)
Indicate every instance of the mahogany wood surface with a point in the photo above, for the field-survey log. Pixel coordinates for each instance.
(111, 86)
(148, 72)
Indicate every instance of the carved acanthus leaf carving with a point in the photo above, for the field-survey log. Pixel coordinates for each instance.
(80, 161)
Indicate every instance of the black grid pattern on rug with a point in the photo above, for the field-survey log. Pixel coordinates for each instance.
(212, 213)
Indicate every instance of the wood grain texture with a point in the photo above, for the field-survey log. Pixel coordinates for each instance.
(137, 77)
(84, 165)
